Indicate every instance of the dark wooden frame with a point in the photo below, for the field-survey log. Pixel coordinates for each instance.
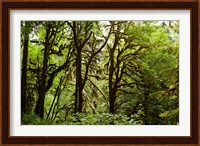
(6, 139)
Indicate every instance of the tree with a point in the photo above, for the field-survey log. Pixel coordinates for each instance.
(52, 30)
(26, 30)
(81, 36)
(24, 69)
(100, 72)
(39, 108)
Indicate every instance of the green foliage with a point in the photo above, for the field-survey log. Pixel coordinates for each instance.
(101, 119)
(32, 119)
(143, 57)
(170, 117)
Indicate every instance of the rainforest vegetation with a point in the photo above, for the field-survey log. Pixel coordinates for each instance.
(100, 72)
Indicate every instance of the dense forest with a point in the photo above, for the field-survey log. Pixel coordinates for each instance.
(100, 72)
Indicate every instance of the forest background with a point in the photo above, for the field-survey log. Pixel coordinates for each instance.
(100, 72)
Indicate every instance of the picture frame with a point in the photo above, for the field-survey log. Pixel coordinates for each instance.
(6, 82)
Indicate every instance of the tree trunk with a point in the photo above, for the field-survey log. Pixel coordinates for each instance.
(81, 81)
(24, 73)
(112, 88)
(111, 72)
(78, 93)
(39, 108)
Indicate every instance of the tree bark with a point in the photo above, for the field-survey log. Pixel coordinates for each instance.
(24, 73)
(112, 90)
(111, 72)
(78, 94)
